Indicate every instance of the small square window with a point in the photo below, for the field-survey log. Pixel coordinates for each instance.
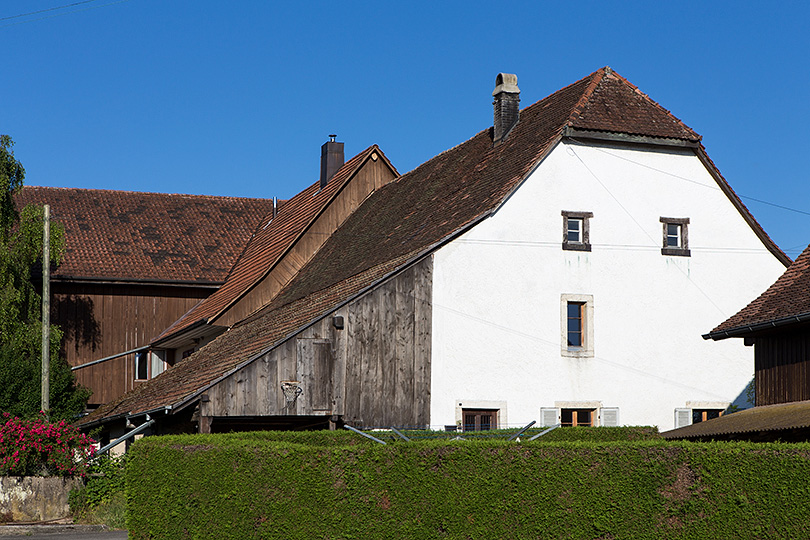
(676, 237)
(576, 231)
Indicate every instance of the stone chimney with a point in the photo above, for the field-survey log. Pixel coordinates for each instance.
(506, 103)
(331, 159)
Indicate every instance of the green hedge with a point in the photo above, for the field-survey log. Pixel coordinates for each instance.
(257, 486)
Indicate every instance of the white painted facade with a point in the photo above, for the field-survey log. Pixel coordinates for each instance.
(499, 338)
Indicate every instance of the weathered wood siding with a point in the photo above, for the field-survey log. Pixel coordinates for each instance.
(103, 320)
(371, 176)
(782, 367)
(373, 372)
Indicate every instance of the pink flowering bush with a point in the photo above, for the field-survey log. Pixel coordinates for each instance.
(39, 448)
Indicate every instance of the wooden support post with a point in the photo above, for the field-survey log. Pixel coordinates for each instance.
(46, 310)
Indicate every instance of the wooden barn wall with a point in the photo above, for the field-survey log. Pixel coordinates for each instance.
(373, 372)
(372, 176)
(103, 320)
(782, 368)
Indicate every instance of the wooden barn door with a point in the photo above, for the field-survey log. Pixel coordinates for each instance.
(315, 369)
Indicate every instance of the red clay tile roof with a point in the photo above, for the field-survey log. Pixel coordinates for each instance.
(406, 218)
(611, 103)
(783, 416)
(268, 245)
(787, 300)
(125, 235)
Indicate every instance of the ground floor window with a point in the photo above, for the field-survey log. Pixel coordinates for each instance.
(695, 415)
(576, 417)
(701, 415)
(479, 419)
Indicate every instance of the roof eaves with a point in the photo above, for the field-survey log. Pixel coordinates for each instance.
(622, 137)
(741, 331)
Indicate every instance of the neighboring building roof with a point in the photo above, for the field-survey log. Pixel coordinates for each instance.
(787, 301)
(273, 237)
(409, 218)
(768, 422)
(153, 237)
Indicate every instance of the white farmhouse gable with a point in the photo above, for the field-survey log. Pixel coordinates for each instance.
(500, 293)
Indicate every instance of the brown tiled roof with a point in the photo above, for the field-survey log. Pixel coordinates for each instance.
(767, 418)
(611, 103)
(126, 235)
(408, 218)
(786, 301)
(273, 237)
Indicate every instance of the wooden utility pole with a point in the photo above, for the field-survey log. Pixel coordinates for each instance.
(46, 309)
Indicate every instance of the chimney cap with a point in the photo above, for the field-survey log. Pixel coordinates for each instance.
(332, 137)
(506, 82)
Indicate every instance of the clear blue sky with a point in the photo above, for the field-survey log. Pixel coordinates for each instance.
(235, 98)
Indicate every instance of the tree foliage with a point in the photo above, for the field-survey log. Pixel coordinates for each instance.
(20, 305)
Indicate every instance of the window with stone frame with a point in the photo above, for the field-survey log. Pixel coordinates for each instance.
(576, 230)
(675, 237)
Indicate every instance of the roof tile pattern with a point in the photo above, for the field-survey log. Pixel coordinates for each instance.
(400, 221)
(125, 235)
(272, 238)
(782, 416)
(614, 104)
(788, 297)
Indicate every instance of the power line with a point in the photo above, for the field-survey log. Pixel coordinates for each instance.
(668, 173)
(66, 6)
(46, 10)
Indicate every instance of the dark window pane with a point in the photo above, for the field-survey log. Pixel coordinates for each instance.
(566, 417)
(141, 366)
(673, 235)
(574, 230)
(575, 324)
(485, 421)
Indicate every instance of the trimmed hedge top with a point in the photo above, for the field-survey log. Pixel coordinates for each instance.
(331, 485)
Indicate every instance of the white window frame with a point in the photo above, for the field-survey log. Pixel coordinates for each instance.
(587, 348)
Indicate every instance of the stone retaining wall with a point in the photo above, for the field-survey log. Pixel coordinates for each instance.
(35, 498)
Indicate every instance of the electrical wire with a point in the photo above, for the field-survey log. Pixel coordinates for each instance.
(66, 6)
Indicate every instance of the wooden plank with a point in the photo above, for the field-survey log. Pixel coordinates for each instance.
(423, 311)
(355, 332)
(340, 353)
(387, 354)
(404, 348)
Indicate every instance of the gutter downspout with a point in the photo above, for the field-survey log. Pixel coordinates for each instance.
(149, 422)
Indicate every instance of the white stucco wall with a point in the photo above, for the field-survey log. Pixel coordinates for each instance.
(497, 293)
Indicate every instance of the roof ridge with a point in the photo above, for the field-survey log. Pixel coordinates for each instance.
(150, 193)
(586, 95)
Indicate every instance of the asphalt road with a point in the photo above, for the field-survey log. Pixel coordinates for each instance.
(58, 532)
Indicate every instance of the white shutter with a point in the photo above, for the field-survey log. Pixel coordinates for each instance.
(548, 417)
(158, 364)
(683, 417)
(610, 416)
